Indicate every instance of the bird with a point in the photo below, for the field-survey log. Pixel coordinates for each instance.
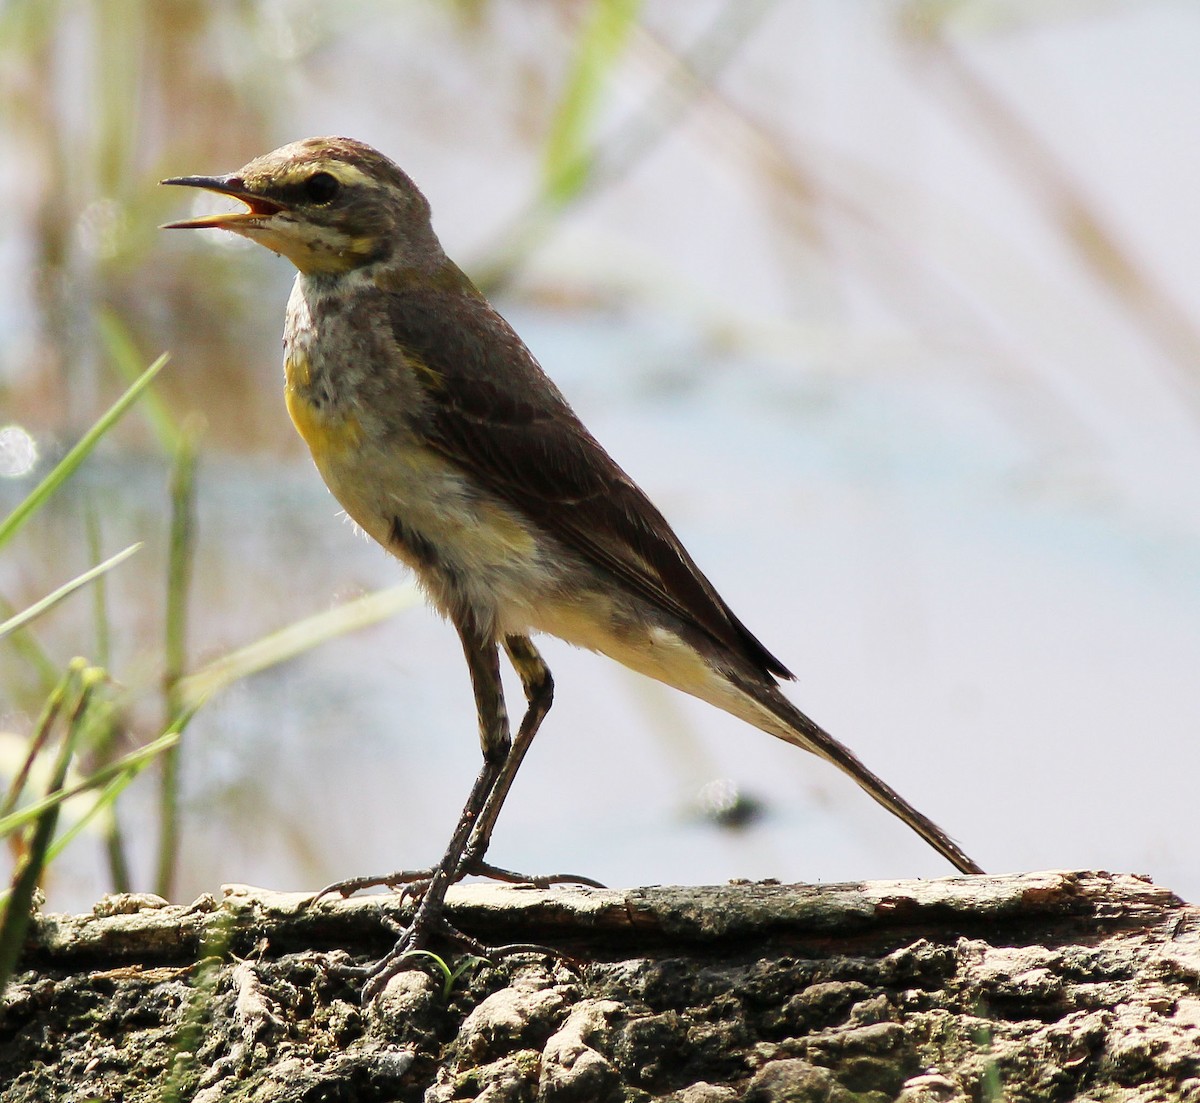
(442, 438)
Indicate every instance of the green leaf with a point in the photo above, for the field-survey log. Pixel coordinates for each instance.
(66, 467)
(55, 596)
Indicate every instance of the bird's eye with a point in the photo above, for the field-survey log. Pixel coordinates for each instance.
(321, 187)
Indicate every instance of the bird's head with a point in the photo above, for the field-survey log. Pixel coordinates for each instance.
(327, 204)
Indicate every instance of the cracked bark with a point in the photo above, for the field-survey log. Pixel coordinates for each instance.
(1043, 986)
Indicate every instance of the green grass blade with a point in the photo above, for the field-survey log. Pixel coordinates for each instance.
(569, 148)
(100, 617)
(119, 878)
(439, 962)
(41, 733)
(65, 467)
(571, 174)
(55, 596)
(119, 344)
(103, 804)
(180, 560)
(43, 670)
(293, 640)
(181, 552)
(133, 763)
(15, 920)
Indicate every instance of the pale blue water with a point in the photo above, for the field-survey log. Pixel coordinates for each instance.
(1019, 668)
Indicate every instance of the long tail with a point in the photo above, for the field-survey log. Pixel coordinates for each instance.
(776, 715)
(745, 688)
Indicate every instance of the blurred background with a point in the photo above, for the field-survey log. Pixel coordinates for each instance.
(893, 308)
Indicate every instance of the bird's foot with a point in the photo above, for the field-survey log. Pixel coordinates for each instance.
(429, 923)
(477, 867)
(411, 882)
(412, 945)
(414, 883)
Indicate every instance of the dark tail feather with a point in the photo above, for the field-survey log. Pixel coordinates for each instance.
(795, 727)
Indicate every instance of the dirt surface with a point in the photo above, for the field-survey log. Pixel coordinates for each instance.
(1048, 986)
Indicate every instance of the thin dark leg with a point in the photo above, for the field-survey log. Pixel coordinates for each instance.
(427, 919)
(539, 695)
(464, 853)
(483, 661)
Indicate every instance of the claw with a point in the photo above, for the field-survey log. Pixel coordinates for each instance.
(349, 974)
(414, 882)
(478, 868)
(429, 923)
(401, 878)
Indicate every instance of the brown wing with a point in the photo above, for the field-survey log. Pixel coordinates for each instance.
(494, 412)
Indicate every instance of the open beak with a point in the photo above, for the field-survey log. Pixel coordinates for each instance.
(258, 208)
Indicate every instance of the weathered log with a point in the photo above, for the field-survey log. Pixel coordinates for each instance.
(1042, 986)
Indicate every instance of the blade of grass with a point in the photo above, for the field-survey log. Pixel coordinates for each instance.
(180, 560)
(55, 596)
(124, 354)
(41, 733)
(569, 150)
(100, 618)
(132, 764)
(24, 26)
(15, 920)
(107, 730)
(119, 876)
(114, 778)
(25, 644)
(65, 467)
(293, 640)
(103, 806)
(687, 79)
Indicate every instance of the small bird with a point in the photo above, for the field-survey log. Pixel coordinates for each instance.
(438, 432)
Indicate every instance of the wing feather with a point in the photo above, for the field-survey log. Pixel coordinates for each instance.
(492, 411)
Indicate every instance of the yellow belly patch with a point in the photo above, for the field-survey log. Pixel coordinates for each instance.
(325, 434)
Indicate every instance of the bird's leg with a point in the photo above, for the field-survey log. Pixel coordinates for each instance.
(464, 854)
(539, 695)
(483, 661)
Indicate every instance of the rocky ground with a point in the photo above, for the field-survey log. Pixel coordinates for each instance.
(1049, 986)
